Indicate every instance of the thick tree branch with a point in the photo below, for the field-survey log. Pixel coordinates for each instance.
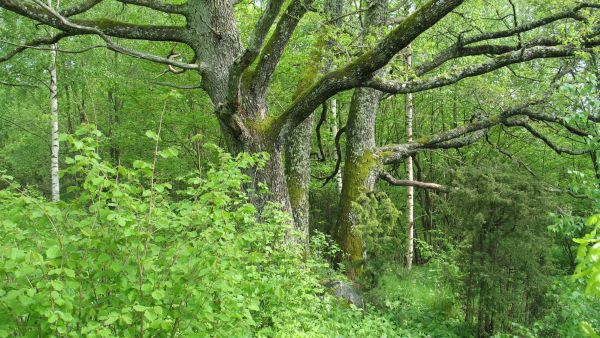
(472, 132)
(395, 153)
(113, 46)
(257, 42)
(361, 69)
(33, 10)
(159, 6)
(275, 46)
(262, 30)
(458, 52)
(406, 183)
(503, 60)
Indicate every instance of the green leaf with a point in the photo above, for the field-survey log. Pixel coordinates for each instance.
(152, 135)
(139, 308)
(592, 220)
(169, 152)
(588, 330)
(57, 285)
(53, 252)
(158, 294)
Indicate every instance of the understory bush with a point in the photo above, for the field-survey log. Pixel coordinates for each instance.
(420, 299)
(130, 256)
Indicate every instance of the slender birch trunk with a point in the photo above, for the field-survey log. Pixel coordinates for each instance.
(54, 120)
(410, 202)
(334, 131)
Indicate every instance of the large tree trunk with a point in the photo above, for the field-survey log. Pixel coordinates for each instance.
(358, 176)
(242, 123)
(297, 169)
(272, 174)
(298, 144)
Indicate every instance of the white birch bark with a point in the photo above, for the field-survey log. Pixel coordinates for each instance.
(410, 202)
(334, 131)
(54, 120)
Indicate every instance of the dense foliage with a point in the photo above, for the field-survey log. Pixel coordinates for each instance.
(300, 168)
(133, 256)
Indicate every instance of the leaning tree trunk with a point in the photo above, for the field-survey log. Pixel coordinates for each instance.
(358, 176)
(54, 120)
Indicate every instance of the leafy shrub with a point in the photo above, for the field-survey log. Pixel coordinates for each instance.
(126, 259)
(496, 219)
(420, 299)
(381, 234)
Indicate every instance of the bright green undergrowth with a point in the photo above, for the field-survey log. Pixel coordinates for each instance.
(135, 256)
(419, 299)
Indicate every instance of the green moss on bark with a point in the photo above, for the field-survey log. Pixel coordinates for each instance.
(356, 178)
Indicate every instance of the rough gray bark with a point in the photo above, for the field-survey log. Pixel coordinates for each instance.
(297, 156)
(358, 175)
(299, 141)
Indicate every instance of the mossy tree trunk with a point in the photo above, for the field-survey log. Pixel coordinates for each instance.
(358, 175)
(297, 169)
(298, 144)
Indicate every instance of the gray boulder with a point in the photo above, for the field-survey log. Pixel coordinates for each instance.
(346, 291)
